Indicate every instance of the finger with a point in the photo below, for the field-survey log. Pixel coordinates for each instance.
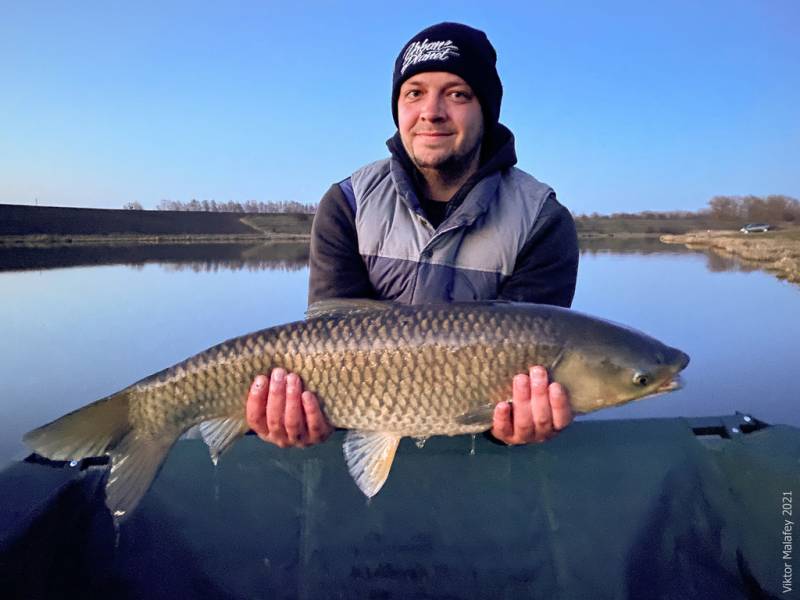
(293, 417)
(523, 420)
(559, 404)
(540, 404)
(316, 424)
(502, 426)
(256, 407)
(276, 404)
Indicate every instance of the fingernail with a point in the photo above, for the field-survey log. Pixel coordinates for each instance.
(278, 375)
(538, 374)
(258, 383)
(519, 380)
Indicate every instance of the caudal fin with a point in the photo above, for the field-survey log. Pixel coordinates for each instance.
(88, 431)
(103, 428)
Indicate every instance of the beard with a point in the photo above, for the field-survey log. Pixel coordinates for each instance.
(450, 168)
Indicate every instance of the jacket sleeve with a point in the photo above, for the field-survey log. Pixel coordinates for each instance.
(547, 266)
(336, 269)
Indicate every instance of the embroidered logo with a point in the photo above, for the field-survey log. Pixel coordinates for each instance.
(418, 52)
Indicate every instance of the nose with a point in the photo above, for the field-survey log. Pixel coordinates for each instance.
(433, 108)
(683, 360)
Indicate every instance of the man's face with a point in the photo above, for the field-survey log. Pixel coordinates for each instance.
(440, 121)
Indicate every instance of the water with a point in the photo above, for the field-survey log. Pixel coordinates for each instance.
(607, 509)
(739, 326)
(73, 334)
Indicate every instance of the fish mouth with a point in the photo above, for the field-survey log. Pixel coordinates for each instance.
(670, 385)
(676, 382)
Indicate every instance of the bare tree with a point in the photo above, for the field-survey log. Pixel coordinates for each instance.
(249, 207)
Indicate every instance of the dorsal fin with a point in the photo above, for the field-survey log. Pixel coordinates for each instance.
(339, 307)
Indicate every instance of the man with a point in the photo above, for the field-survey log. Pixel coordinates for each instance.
(446, 218)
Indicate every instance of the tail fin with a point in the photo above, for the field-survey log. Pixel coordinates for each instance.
(89, 431)
(103, 428)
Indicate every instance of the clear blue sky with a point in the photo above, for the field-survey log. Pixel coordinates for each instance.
(620, 106)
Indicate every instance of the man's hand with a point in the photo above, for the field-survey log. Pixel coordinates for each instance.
(537, 412)
(279, 411)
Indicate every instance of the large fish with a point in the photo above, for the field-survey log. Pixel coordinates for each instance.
(381, 370)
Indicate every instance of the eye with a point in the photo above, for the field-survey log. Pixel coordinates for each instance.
(641, 379)
(461, 95)
(413, 94)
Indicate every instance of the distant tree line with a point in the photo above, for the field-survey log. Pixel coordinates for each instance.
(646, 214)
(251, 206)
(775, 208)
(770, 209)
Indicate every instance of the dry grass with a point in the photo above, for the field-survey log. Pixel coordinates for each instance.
(776, 251)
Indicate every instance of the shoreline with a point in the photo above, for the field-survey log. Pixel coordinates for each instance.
(51, 240)
(777, 252)
(600, 235)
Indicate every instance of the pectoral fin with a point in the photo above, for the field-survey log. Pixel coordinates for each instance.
(220, 434)
(369, 456)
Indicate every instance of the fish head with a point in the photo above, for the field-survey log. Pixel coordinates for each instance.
(609, 364)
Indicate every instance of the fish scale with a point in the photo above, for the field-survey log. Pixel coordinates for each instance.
(429, 379)
(381, 370)
(303, 353)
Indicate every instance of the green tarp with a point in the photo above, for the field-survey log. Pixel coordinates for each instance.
(610, 509)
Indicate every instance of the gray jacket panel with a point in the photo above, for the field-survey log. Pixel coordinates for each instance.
(466, 258)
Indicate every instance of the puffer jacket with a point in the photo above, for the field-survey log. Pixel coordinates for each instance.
(504, 236)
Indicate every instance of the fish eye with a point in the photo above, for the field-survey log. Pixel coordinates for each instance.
(641, 379)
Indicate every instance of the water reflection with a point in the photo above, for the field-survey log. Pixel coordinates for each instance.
(200, 258)
(284, 256)
(718, 262)
(634, 245)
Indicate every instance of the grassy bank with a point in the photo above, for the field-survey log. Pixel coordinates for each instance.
(776, 251)
(604, 226)
(44, 225)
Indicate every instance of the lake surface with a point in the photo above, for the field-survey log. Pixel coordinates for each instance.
(79, 324)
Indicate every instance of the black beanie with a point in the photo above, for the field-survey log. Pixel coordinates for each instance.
(457, 49)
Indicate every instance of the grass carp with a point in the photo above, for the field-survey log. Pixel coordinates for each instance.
(381, 370)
